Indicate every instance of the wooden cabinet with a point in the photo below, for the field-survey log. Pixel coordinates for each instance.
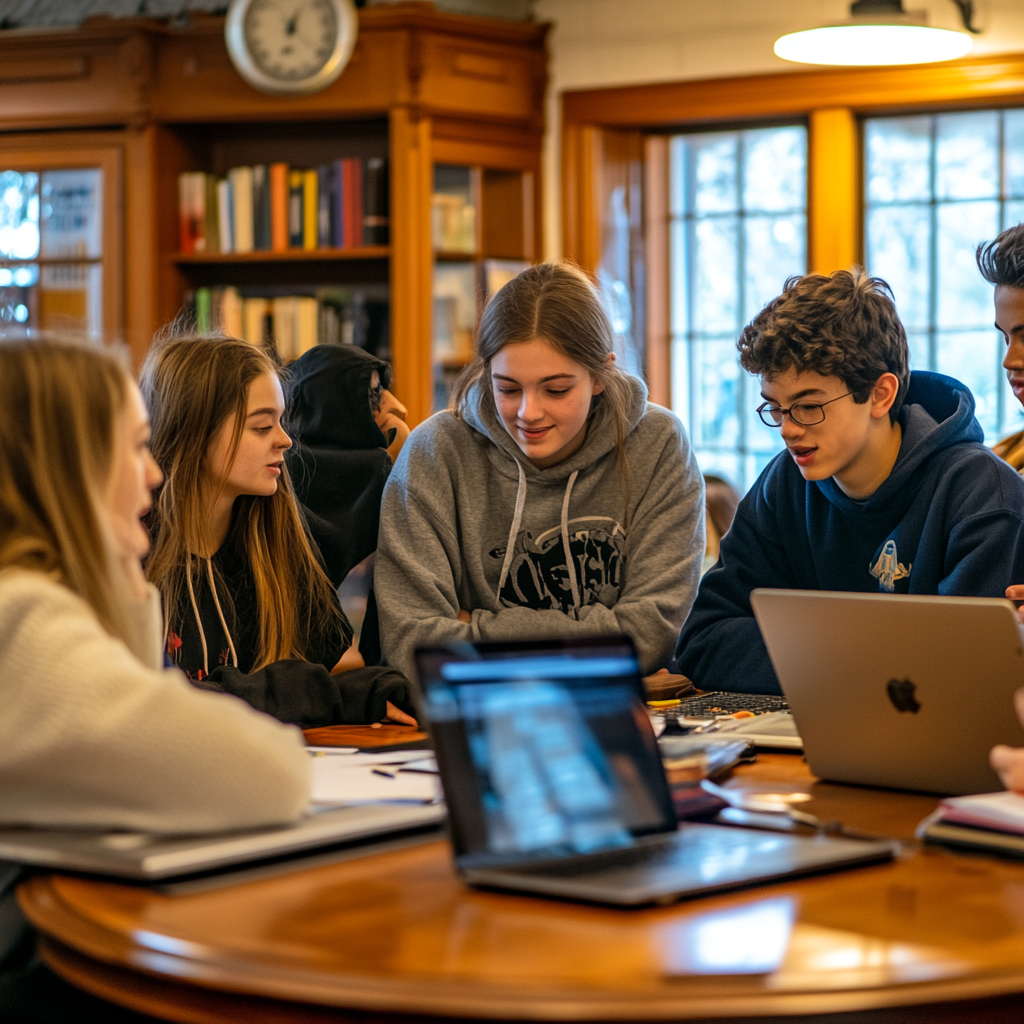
(422, 88)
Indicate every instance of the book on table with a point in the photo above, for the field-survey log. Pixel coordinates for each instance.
(993, 822)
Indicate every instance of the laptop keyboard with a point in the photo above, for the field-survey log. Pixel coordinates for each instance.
(721, 703)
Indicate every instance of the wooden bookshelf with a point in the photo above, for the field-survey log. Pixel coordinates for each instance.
(366, 252)
(422, 88)
(483, 229)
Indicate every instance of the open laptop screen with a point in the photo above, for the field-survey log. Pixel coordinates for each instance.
(545, 749)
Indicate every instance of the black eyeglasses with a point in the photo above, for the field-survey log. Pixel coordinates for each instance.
(802, 414)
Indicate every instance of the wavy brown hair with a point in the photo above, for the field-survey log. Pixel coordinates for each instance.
(844, 326)
(60, 406)
(193, 385)
(557, 303)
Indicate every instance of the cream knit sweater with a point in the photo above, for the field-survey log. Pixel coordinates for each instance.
(91, 736)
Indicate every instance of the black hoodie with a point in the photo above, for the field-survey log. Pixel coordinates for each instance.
(949, 519)
(339, 462)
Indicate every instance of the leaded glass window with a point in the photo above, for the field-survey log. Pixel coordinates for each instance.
(935, 187)
(738, 230)
(51, 252)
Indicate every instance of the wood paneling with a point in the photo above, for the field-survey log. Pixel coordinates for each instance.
(503, 221)
(833, 190)
(412, 175)
(659, 288)
(398, 934)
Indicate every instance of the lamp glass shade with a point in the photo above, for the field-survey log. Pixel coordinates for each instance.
(873, 45)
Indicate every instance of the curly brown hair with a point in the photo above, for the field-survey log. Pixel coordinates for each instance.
(843, 326)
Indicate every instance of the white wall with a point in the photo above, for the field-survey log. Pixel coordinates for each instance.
(597, 43)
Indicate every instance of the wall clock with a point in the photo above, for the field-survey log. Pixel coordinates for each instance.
(290, 47)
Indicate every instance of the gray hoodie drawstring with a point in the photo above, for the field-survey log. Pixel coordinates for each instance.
(517, 518)
(565, 543)
(513, 533)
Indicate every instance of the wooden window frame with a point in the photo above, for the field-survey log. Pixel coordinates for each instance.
(70, 150)
(832, 103)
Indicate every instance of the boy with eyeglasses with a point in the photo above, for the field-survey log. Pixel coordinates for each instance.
(884, 485)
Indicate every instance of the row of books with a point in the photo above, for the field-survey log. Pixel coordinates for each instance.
(274, 207)
(292, 324)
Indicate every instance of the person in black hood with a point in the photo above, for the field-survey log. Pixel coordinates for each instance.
(248, 578)
(884, 485)
(348, 429)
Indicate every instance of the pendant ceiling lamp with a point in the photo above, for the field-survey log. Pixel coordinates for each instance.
(880, 32)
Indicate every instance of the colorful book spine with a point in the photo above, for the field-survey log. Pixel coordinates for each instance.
(343, 204)
(203, 300)
(324, 187)
(191, 211)
(225, 216)
(296, 221)
(310, 210)
(260, 207)
(279, 207)
(211, 220)
(338, 204)
(241, 194)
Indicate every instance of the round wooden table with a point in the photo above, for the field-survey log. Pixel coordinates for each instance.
(397, 936)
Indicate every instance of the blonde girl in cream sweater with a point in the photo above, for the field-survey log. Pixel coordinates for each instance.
(95, 731)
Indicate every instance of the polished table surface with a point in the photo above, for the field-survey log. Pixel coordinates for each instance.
(397, 934)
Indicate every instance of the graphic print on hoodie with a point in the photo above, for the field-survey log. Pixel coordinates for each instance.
(949, 519)
(538, 576)
(468, 522)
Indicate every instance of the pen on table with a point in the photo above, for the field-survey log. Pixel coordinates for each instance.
(387, 775)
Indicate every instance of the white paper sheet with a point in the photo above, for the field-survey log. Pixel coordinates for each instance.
(337, 782)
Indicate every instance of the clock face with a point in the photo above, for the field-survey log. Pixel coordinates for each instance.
(290, 46)
(291, 40)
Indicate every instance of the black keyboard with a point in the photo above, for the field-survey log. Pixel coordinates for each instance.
(720, 703)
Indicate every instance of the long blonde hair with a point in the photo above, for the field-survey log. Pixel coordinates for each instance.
(60, 406)
(556, 303)
(192, 386)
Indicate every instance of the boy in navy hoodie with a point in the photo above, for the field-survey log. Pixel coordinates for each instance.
(885, 485)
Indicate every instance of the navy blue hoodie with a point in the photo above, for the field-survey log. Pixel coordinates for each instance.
(949, 519)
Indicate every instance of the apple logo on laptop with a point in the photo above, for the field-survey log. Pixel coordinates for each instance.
(901, 693)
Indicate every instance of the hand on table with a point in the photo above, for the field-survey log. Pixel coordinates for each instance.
(1009, 761)
(1016, 593)
(398, 716)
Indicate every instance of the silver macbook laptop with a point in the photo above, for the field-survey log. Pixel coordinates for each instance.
(555, 786)
(910, 692)
(145, 856)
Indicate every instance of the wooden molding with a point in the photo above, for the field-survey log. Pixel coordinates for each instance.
(971, 82)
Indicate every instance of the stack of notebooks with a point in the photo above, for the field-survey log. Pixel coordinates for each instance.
(274, 207)
(292, 324)
(990, 822)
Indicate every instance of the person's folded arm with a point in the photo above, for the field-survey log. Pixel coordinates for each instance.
(664, 551)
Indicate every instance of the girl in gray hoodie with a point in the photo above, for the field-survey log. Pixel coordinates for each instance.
(550, 500)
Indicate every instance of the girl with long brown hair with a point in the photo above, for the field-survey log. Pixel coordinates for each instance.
(95, 732)
(550, 500)
(251, 607)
